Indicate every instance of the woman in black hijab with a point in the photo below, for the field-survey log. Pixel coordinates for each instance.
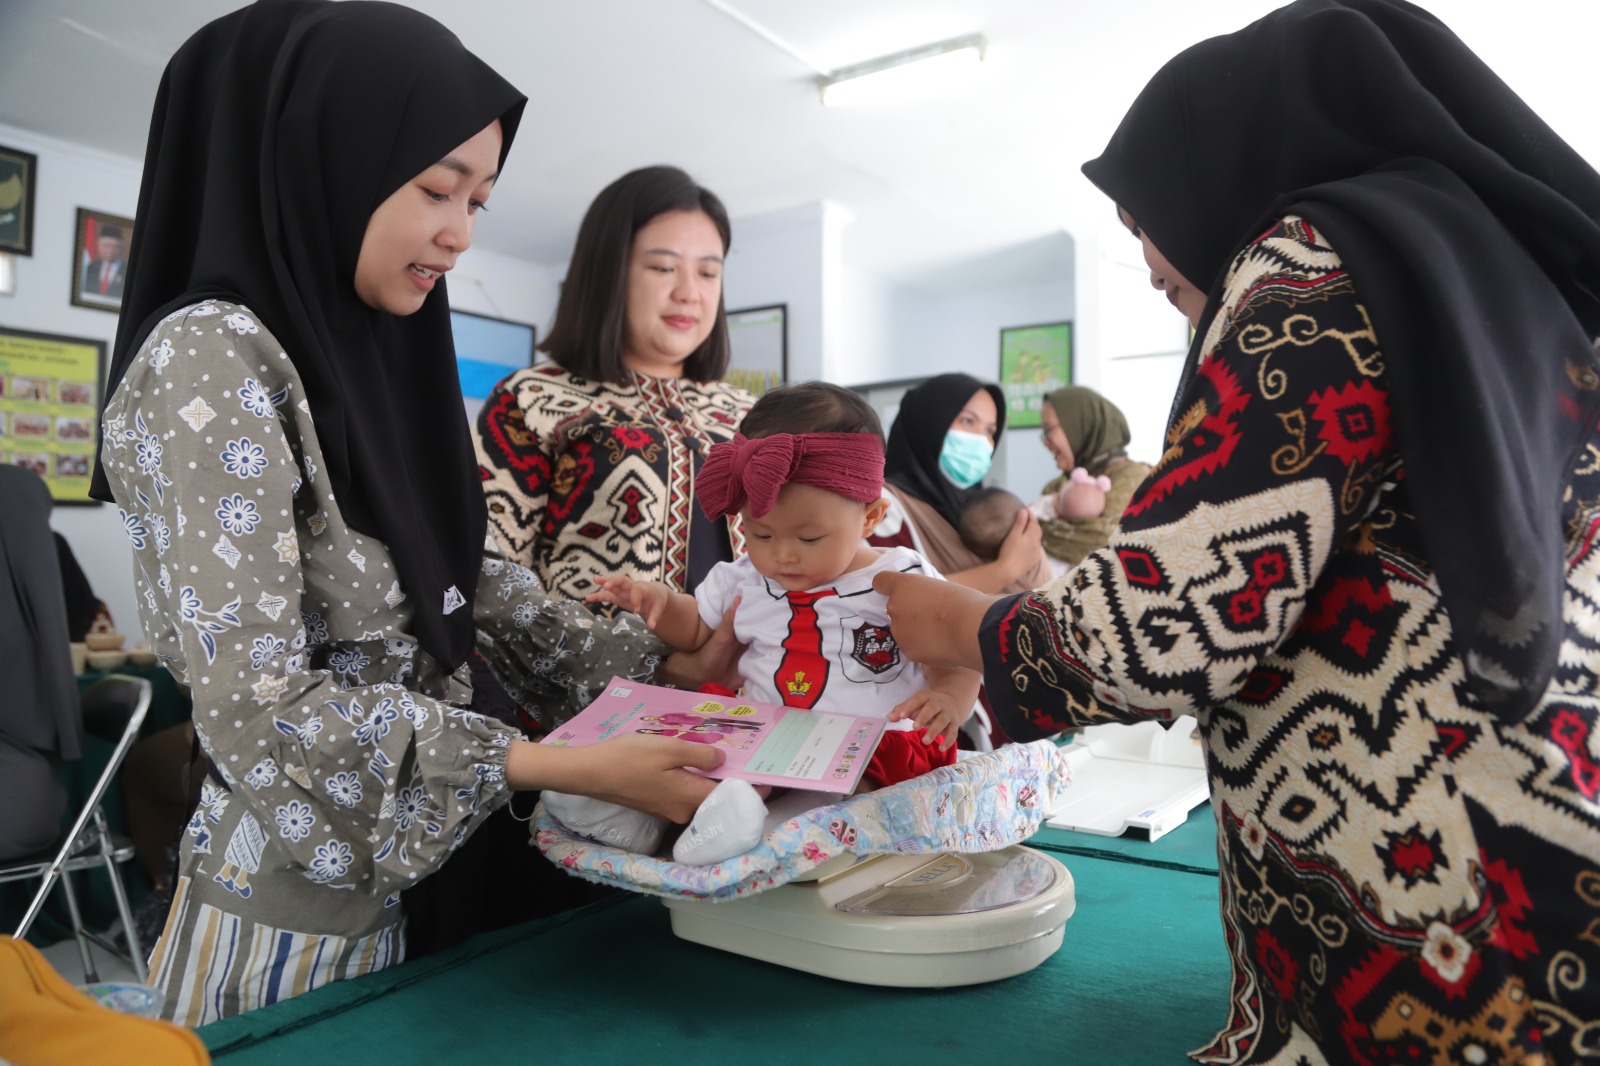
(285, 437)
(1367, 561)
(939, 449)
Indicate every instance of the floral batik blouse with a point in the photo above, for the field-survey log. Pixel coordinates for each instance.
(346, 765)
(1404, 877)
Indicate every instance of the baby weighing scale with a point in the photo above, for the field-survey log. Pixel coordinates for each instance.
(921, 921)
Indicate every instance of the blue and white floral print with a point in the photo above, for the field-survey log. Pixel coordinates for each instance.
(330, 860)
(206, 623)
(243, 458)
(344, 788)
(261, 774)
(348, 661)
(238, 515)
(264, 649)
(161, 355)
(295, 820)
(134, 528)
(254, 398)
(240, 323)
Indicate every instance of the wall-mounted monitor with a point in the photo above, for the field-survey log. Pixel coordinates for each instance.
(487, 349)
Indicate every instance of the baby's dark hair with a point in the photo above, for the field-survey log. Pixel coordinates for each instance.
(986, 520)
(810, 407)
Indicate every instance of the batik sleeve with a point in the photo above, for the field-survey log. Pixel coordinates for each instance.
(554, 655)
(1281, 446)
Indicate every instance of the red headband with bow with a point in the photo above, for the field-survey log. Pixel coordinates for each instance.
(744, 471)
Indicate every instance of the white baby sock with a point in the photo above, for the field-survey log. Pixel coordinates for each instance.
(607, 823)
(728, 823)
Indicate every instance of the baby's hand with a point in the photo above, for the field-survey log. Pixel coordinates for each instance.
(644, 598)
(936, 714)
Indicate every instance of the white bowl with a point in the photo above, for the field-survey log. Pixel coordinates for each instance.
(106, 660)
(103, 641)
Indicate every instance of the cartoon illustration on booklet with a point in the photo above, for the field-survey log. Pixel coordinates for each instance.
(763, 743)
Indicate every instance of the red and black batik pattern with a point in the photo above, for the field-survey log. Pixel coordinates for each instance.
(1404, 878)
(586, 480)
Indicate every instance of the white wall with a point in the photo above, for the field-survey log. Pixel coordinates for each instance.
(778, 258)
(489, 283)
(71, 177)
(1134, 342)
(893, 331)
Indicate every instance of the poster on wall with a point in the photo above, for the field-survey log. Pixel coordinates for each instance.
(1034, 361)
(50, 408)
(19, 176)
(759, 337)
(100, 259)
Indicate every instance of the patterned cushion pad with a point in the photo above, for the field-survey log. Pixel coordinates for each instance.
(982, 803)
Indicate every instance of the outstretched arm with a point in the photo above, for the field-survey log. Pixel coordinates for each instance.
(672, 616)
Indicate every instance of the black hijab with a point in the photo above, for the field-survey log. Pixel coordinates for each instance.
(911, 460)
(1469, 229)
(278, 129)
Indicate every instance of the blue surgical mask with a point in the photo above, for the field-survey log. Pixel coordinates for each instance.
(965, 457)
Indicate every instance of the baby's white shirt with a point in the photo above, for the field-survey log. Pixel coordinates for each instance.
(861, 669)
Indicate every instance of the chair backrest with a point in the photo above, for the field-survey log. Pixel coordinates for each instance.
(113, 709)
(109, 703)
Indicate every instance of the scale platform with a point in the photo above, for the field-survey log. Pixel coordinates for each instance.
(1142, 777)
(917, 921)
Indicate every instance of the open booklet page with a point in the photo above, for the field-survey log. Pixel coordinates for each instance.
(764, 743)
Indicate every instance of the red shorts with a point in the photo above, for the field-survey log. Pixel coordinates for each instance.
(902, 755)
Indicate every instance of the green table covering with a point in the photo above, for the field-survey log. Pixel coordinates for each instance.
(1141, 977)
(1191, 847)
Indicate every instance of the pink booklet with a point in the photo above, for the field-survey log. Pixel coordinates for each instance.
(761, 742)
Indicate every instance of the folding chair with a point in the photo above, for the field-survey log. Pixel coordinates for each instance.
(113, 710)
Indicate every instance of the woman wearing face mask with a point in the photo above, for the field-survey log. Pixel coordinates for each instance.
(590, 460)
(940, 447)
(284, 437)
(1368, 561)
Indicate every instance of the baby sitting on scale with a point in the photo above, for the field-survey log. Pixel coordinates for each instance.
(805, 473)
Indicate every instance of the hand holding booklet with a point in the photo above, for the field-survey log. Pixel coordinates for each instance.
(763, 743)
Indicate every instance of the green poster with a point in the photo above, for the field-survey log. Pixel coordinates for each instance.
(1034, 361)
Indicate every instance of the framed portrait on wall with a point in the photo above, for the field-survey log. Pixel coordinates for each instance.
(1034, 362)
(50, 408)
(19, 178)
(759, 337)
(100, 259)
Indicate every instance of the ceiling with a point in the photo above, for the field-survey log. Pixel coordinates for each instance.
(973, 189)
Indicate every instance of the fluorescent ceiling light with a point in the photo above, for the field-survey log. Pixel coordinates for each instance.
(905, 75)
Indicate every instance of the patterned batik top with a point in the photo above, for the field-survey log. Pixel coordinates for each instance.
(588, 480)
(347, 766)
(1404, 878)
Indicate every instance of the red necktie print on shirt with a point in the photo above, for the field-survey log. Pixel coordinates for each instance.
(803, 673)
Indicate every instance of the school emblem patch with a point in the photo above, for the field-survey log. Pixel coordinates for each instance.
(875, 648)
